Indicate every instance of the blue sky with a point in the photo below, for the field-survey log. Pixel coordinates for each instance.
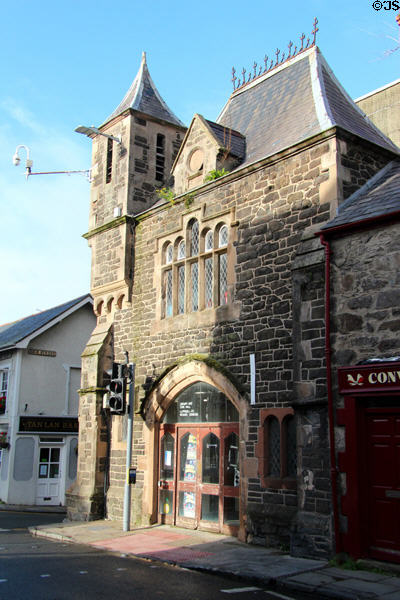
(65, 64)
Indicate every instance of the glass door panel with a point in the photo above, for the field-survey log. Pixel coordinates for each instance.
(210, 459)
(187, 513)
(167, 471)
(167, 457)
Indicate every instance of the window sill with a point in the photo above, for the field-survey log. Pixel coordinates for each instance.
(201, 318)
(276, 483)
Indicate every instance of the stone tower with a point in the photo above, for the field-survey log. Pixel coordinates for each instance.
(132, 156)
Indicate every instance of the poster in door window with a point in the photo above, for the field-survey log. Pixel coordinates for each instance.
(190, 463)
(189, 504)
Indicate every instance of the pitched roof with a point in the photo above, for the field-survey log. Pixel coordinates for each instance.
(144, 97)
(379, 197)
(294, 101)
(13, 333)
(229, 138)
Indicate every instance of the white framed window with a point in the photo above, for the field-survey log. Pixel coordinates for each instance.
(3, 390)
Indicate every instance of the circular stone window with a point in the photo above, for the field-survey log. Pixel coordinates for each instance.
(196, 161)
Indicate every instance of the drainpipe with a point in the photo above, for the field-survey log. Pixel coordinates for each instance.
(328, 353)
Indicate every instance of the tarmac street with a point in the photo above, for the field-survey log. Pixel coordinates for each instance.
(252, 566)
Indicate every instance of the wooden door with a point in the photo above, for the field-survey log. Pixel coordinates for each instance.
(199, 476)
(382, 475)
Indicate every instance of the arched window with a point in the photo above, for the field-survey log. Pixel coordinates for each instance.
(194, 238)
(168, 254)
(195, 270)
(209, 241)
(223, 236)
(277, 448)
(181, 249)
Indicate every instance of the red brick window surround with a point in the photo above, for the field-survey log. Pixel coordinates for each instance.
(276, 448)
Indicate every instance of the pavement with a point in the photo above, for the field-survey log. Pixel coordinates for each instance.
(205, 551)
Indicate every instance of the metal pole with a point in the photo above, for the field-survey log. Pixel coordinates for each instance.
(127, 494)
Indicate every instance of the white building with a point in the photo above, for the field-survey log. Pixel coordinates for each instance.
(40, 369)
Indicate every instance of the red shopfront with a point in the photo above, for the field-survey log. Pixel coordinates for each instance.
(371, 460)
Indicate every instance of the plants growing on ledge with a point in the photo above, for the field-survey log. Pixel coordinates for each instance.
(215, 174)
(168, 195)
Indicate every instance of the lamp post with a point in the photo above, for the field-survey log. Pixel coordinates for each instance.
(29, 164)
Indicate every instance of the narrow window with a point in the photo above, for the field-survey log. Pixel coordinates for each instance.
(109, 160)
(208, 282)
(3, 391)
(223, 281)
(181, 250)
(160, 157)
(168, 254)
(223, 237)
(194, 239)
(168, 292)
(209, 241)
(274, 447)
(195, 285)
(181, 289)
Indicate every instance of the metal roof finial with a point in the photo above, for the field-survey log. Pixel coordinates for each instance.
(233, 77)
(315, 29)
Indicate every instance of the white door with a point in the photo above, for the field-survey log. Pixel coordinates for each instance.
(49, 475)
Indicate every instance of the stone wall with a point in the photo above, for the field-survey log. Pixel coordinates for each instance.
(276, 311)
(382, 107)
(366, 298)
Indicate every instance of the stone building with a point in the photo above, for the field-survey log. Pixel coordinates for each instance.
(382, 106)
(363, 243)
(216, 288)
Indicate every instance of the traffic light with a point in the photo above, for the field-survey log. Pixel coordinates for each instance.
(117, 390)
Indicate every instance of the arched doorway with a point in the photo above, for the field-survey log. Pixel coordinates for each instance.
(198, 467)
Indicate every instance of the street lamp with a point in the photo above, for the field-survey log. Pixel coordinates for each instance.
(29, 164)
(17, 160)
(89, 131)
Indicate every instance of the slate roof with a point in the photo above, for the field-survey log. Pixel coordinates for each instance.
(380, 196)
(229, 138)
(12, 333)
(297, 100)
(144, 97)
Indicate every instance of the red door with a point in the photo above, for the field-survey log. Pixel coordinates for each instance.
(383, 484)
